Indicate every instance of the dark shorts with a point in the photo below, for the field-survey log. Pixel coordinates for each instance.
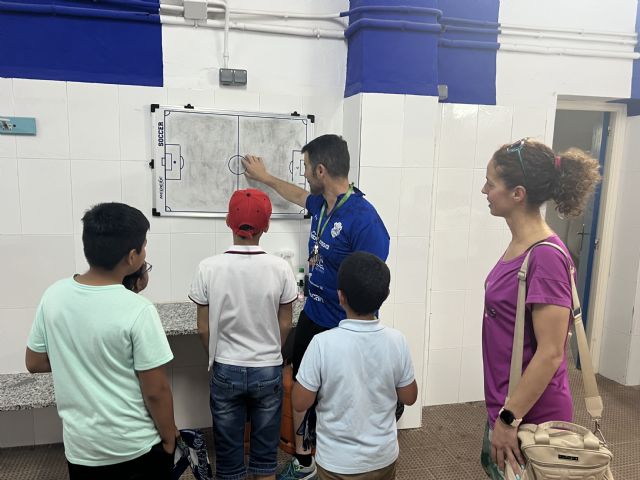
(156, 464)
(235, 393)
(305, 331)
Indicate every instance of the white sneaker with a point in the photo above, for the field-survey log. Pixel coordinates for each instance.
(294, 471)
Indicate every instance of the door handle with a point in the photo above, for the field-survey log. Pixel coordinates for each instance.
(581, 234)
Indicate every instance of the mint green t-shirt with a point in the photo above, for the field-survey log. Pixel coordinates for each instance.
(96, 339)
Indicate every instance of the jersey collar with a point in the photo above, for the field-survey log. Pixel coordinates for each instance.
(361, 325)
(355, 193)
(245, 250)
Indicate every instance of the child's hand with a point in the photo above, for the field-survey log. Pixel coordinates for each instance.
(170, 446)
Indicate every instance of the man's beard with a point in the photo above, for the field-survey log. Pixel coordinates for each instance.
(315, 189)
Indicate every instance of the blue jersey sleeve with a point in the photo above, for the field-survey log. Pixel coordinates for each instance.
(314, 204)
(371, 236)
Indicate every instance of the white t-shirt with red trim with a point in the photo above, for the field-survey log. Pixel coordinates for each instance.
(244, 288)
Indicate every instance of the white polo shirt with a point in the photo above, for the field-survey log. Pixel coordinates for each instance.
(244, 288)
(356, 368)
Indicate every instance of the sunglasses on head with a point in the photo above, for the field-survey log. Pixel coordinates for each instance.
(517, 147)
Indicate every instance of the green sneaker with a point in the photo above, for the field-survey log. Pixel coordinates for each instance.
(294, 471)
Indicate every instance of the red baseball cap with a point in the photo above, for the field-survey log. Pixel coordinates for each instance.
(249, 207)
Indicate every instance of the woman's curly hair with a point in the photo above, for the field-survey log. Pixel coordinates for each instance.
(568, 178)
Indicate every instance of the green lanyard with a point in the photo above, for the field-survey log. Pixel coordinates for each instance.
(340, 203)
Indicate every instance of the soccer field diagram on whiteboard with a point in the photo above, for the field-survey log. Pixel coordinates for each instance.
(198, 154)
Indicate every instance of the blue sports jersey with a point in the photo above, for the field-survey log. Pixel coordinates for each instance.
(355, 226)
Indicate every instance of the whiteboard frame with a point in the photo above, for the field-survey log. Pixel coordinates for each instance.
(158, 153)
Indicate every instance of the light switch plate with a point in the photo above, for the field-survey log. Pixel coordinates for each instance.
(233, 76)
(17, 125)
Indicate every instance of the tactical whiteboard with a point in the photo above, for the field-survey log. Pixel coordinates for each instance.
(197, 158)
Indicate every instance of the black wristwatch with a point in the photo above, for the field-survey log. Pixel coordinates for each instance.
(508, 418)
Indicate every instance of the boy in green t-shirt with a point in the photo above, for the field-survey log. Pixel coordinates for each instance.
(106, 349)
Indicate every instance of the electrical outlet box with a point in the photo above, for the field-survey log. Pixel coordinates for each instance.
(226, 76)
(233, 77)
(17, 125)
(195, 9)
(240, 77)
(443, 92)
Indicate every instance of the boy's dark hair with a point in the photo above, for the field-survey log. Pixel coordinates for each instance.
(330, 151)
(111, 231)
(364, 280)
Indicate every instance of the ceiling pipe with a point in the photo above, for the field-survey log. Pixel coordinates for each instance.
(256, 27)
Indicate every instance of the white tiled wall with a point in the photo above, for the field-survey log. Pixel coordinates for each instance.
(7, 142)
(9, 194)
(92, 182)
(16, 324)
(47, 101)
(396, 134)
(458, 134)
(381, 186)
(93, 145)
(45, 196)
(423, 166)
(94, 132)
(382, 130)
(466, 243)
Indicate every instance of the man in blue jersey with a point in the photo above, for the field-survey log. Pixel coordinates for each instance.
(342, 222)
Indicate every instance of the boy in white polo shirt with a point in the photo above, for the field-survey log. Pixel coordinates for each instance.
(244, 299)
(357, 372)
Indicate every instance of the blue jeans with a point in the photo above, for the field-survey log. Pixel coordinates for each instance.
(236, 392)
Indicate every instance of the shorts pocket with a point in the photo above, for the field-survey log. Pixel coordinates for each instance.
(272, 384)
(220, 380)
(221, 383)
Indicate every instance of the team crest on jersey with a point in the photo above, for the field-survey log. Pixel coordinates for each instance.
(337, 228)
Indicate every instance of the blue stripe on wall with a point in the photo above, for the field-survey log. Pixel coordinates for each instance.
(633, 107)
(104, 41)
(412, 46)
(467, 50)
(392, 47)
(479, 10)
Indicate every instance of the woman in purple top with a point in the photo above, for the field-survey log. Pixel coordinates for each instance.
(520, 178)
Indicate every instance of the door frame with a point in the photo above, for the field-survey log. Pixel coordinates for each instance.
(606, 220)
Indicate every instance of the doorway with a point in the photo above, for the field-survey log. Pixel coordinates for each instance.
(589, 131)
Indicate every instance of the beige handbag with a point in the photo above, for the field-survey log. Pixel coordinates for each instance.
(560, 450)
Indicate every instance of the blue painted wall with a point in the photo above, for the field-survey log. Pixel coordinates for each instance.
(633, 107)
(393, 47)
(102, 41)
(467, 50)
(411, 46)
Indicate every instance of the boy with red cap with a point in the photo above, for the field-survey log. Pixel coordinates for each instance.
(244, 299)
